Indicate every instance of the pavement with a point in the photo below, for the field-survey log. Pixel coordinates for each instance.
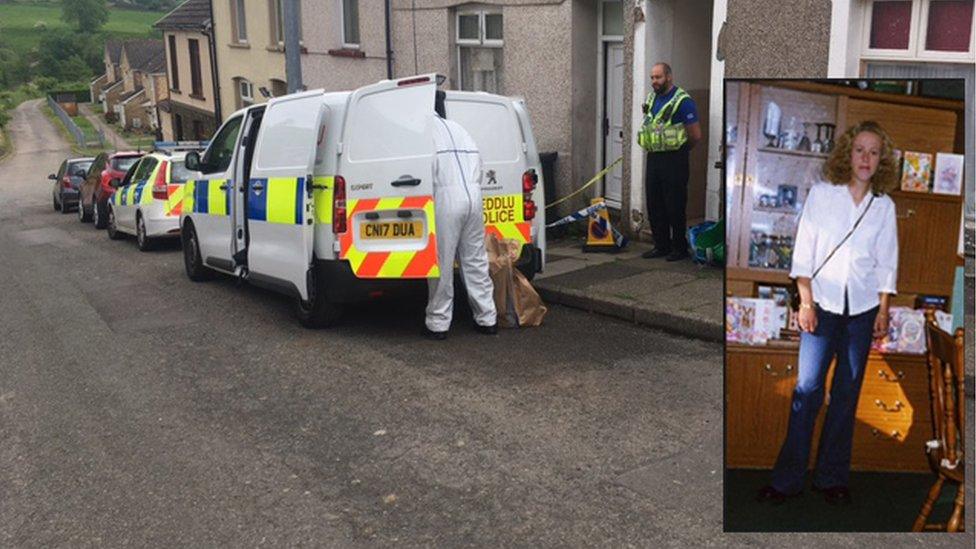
(112, 137)
(679, 297)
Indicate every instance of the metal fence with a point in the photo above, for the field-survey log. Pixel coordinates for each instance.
(73, 128)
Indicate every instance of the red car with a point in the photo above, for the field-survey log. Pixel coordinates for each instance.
(97, 188)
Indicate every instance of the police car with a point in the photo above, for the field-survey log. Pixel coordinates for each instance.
(148, 200)
(328, 197)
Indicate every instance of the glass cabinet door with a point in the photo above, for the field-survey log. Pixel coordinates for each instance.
(789, 136)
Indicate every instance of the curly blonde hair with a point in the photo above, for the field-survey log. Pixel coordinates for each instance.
(837, 168)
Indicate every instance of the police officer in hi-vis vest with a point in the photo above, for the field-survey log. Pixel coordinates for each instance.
(669, 131)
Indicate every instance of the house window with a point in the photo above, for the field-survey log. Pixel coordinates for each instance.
(919, 30)
(238, 21)
(178, 126)
(350, 23)
(480, 37)
(277, 18)
(174, 70)
(278, 87)
(196, 78)
(245, 93)
(613, 18)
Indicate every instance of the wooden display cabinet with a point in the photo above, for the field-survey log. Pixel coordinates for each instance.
(892, 423)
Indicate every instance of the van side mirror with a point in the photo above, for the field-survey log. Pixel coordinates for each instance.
(52, 177)
(115, 182)
(192, 161)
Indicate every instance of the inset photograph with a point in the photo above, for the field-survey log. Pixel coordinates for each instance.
(844, 371)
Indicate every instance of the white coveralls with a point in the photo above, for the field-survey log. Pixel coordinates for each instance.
(460, 228)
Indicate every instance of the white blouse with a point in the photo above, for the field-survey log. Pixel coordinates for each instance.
(864, 266)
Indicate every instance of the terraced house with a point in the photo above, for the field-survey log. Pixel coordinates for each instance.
(133, 83)
(250, 52)
(192, 110)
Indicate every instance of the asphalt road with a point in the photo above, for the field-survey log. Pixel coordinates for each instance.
(139, 408)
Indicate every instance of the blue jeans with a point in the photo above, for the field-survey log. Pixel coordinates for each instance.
(849, 338)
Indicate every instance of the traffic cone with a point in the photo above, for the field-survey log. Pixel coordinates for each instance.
(600, 236)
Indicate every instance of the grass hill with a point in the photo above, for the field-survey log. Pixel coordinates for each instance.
(20, 23)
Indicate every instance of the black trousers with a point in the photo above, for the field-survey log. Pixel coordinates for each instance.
(666, 186)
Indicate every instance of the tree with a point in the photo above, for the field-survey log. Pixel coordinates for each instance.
(87, 15)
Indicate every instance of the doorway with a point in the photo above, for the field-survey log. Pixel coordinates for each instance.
(613, 121)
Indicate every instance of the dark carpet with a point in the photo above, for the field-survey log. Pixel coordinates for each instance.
(882, 502)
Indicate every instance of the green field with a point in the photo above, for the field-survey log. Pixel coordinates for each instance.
(18, 20)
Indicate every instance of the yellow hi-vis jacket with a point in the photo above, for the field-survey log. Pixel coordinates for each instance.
(658, 134)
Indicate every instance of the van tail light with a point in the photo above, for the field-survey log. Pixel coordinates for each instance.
(339, 205)
(529, 182)
(66, 182)
(159, 186)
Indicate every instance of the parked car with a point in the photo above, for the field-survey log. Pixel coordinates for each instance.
(69, 178)
(96, 190)
(147, 202)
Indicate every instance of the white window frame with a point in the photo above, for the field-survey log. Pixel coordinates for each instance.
(342, 28)
(916, 39)
(600, 17)
(481, 42)
(240, 17)
(278, 22)
(246, 99)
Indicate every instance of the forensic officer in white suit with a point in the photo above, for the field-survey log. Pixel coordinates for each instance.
(460, 228)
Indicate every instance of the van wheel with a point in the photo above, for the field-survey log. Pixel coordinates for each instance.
(54, 199)
(113, 231)
(317, 311)
(142, 241)
(192, 261)
(99, 214)
(528, 271)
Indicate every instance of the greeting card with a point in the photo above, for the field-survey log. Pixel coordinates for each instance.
(948, 173)
(916, 172)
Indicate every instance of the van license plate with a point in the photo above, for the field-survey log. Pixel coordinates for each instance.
(387, 230)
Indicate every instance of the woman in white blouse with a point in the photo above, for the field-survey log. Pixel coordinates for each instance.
(845, 264)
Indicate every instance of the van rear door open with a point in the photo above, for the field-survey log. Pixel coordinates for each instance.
(385, 164)
(493, 124)
(280, 220)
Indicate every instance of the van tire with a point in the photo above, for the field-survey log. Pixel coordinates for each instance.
(113, 232)
(528, 271)
(192, 261)
(317, 312)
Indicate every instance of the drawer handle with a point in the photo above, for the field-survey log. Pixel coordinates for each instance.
(908, 213)
(898, 375)
(895, 434)
(898, 405)
(785, 372)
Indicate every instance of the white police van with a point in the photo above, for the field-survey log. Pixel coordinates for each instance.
(328, 197)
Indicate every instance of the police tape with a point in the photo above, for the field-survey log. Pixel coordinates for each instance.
(586, 185)
(579, 216)
(590, 212)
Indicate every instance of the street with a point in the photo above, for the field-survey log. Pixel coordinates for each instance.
(139, 408)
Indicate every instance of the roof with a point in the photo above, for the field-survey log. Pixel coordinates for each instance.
(114, 49)
(129, 95)
(146, 55)
(190, 15)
